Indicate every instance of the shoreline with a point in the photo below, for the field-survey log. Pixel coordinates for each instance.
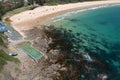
(61, 17)
(26, 61)
(32, 18)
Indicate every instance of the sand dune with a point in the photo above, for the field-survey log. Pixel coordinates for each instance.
(31, 18)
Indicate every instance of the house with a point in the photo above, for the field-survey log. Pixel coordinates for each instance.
(3, 28)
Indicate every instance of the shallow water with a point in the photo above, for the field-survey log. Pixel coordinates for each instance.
(97, 31)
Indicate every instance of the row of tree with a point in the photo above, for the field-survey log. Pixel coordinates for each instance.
(42, 2)
(7, 5)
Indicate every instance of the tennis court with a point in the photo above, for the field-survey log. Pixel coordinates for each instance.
(32, 52)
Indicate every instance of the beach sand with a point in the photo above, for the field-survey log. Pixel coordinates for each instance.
(31, 18)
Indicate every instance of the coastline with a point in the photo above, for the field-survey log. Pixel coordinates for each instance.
(35, 35)
(32, 18)
(67, 14)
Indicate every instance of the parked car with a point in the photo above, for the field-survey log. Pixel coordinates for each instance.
(13, 54)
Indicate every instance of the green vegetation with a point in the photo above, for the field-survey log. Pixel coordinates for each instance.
(4, 57)
(2, 38)
(53, 2)
(8, 5)
(18, 10)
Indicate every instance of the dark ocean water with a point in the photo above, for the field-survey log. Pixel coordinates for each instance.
(97, 31)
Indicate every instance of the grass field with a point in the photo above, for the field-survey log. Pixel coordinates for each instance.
(32, 52)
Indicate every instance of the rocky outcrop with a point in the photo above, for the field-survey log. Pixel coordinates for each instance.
(63, 60)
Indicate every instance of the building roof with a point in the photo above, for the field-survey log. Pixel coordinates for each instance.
(3, 28)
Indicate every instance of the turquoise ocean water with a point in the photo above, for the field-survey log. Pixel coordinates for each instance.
(97, 31)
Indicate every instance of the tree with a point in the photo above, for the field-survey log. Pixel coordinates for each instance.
(1, 10)
(6, 5)
(30, 2)
(40, 2)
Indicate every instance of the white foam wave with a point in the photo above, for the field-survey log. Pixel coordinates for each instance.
(62, 17)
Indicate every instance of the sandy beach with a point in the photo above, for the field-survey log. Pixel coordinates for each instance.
(31, 18)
